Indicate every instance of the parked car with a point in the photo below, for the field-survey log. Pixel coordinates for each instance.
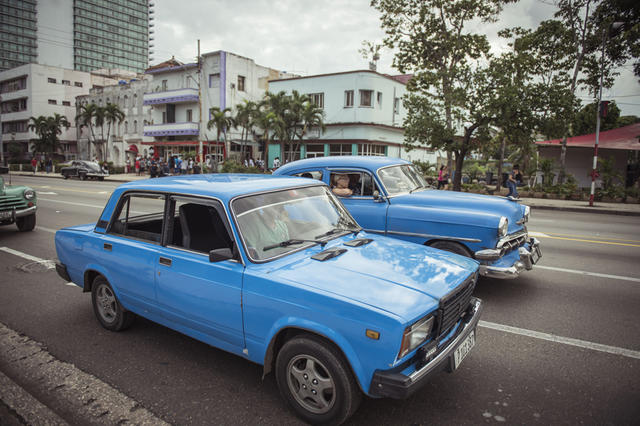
(17, 205)
(277, 271)
(84, 170)
(389, 196)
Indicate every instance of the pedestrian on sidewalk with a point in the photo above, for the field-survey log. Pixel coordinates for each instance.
(512, 182)
(49, 165)
(34, 165)
(443, 176)
(137, 165)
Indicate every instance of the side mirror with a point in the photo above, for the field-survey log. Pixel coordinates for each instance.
(377, 197)
(218, 255)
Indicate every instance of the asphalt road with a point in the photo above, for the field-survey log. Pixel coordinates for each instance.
(559, 345)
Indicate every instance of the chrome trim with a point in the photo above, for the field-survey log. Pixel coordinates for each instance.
(452, 345)
(487, 254)
(25, 212)
(524, 264)
(429, 236)
(507, 238)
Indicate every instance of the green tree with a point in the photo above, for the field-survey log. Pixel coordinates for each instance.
(48, 129)
(86, 117)
(112, 114)
(585, 120)
(446, 104)
(245, 113)
(222, 121)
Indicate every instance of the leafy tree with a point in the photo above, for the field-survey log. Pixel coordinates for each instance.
(221, 120)
(245, 113)
(48, 129)
(446, 104)
(585, 120)
(86, 118)
(112, 114)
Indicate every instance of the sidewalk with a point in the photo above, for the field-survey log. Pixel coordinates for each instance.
(534, 203)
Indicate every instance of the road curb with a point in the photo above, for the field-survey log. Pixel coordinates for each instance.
(587, 210)
(25, 407)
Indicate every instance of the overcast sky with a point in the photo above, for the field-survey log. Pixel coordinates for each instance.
(316, 36)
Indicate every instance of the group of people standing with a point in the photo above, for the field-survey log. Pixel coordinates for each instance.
(43, 164)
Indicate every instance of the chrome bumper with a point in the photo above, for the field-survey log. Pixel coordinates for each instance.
(20, 213)
(528, 257)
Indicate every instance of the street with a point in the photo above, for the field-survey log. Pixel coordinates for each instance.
(559, 345)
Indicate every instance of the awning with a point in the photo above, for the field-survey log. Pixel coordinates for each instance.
(133, 148)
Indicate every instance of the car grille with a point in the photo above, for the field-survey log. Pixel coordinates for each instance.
(453, 306)
(513, 241)
(8, 202)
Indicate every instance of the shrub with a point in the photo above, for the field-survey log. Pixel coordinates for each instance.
(231, 166)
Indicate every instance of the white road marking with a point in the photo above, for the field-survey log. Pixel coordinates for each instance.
(47, 193)
(42, 228)
(71, 284)
(48, 263)
(72, 203)
(537, 234)
(564, 340)
(591, 274)
(102, 192)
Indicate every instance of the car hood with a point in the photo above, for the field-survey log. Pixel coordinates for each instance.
(402, 278)
(500, 206)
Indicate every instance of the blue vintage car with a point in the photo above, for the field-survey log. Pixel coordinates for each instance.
(389, 196)
(277, 271)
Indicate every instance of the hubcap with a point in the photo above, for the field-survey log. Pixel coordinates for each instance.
(106, 303)
(310, 384)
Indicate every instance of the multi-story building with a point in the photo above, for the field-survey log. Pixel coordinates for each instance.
(178, 94)
(125, 137)
(76, 34)
(33, 90)
(363, 115)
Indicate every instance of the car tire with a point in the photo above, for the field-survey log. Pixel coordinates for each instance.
(452, 247)
(107, 308)
(101, 178)
(66, 176)
(83, 176)
(26, 223)
(316, 381)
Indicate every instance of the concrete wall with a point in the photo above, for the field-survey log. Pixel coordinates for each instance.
(55, 33)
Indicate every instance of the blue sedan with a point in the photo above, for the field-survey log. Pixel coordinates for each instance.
(277, 271)
(389, 196)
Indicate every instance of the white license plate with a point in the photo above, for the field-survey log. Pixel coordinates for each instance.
(535, 255)
(463, 349)
(6, 215)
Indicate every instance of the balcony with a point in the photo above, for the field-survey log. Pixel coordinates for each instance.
(171, 96)
(171, 129)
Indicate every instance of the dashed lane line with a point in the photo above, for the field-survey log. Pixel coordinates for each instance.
(563, 340)
(591, 274)
(49, 264)
(42, 228)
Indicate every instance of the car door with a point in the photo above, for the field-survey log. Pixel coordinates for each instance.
(370, 213)
(129, 248)
(193, 292)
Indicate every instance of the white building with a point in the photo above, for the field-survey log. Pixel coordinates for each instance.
(33, 90)
(126, 137)
(226, 80)
(363, 115)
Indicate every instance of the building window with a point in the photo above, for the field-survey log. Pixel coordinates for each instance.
(53, 102)
(15, 127)
(396, 106)
(371, 149)
(214, 80)
(348, 98)
(15, 105)
(340, 149)
(317, 99)
(66, 82)
(135, 126)
(315, 150)
(379, 99)
(366, 97)
(66, 103)
(126, 127)
(77, 84)
(164, 117)
(13, 85)
(189, 115)
(241, 83)
(164, 85)
(51, 80)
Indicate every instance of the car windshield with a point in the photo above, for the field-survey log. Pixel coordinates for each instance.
(279, 222)
(401, 179)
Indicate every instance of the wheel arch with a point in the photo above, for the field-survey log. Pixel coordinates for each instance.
(288, 332)
(464, 247)
(90, 274)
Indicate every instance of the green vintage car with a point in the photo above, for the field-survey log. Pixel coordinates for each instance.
(17, 205)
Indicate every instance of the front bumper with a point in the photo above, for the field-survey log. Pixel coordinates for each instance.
(14, 214)
(529, 254)
(396, 385)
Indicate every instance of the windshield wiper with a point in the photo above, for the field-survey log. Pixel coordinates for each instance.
(416, 188)
(291, 242)
(337, 230)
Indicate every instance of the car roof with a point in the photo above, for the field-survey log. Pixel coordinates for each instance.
(362, 161)
(224, 186)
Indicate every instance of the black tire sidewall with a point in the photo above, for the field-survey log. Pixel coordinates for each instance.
(347, 391)
(119, 322)
(450, 247)
(26, 223)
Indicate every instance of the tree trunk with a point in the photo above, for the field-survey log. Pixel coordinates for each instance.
(457, 176)
(499, 178)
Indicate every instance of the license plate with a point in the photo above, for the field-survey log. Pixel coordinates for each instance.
(6, 215)
(463, 349)
(535, 255)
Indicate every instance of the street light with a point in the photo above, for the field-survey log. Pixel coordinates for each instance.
(613, 28)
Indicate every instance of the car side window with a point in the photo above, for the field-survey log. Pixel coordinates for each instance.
(197, 225)
(140, 216)
(311, 174)
(361, 184)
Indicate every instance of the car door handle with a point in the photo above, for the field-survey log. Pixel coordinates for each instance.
(107, 246)
(165, 261)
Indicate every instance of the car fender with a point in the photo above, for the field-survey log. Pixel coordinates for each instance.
(99, 269)
(322, 330)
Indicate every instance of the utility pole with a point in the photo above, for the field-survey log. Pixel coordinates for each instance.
(1, 144)
(200, 127)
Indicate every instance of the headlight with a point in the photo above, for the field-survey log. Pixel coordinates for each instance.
(415, 335)
(29, 194)
(527, 213)
(503, 226)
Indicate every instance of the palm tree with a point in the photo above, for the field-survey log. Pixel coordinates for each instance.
(221, 121)
(311, 116)
(40, 127)
(86, 118)
(112, 113)
(266, 120)
(100, 119)
(245, 112)
(48, 129)
(280, 104)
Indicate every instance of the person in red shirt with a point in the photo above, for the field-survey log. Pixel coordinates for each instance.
(34, 164)
(138, 166)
